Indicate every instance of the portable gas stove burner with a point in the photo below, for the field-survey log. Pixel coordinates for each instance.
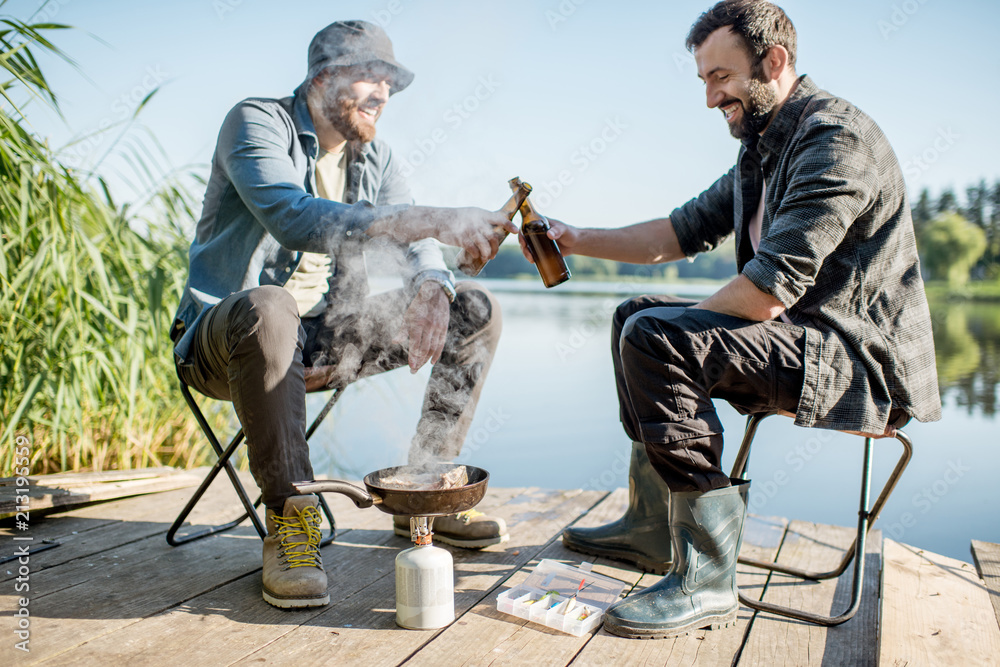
(425, 576)
(397, 500)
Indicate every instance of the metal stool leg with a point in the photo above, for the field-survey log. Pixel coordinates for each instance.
(223, 462)
(328, 513)
(857, 550)
(322, 500)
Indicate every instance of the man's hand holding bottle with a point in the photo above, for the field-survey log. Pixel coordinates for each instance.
(474, 230)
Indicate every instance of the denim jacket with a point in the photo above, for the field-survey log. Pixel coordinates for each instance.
(260, 212)
(837, 248)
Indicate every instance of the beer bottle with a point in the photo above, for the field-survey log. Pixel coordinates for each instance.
(472, 267)
(549, 261)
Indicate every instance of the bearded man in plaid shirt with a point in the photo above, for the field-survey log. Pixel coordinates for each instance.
(827, 320)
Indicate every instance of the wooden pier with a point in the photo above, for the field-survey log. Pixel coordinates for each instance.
(114, 593)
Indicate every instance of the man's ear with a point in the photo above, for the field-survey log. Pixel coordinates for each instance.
(775, 62)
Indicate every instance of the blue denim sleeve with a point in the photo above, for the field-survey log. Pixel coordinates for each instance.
(707, 220)
(253, 150)
(423, 257)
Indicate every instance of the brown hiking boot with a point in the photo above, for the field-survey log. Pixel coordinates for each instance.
(470, 529)
(293, 568)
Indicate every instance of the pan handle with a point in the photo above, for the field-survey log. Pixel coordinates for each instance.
(358, 496)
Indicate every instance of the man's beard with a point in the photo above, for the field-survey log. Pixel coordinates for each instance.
(340, 112)
(757, 110)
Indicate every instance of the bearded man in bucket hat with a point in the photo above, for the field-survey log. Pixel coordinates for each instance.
(299, 190)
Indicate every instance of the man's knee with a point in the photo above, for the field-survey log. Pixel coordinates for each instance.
(644, 327)
(653, 358)
(476, 309)
(269, 314)
(272, 302)
(625, 310)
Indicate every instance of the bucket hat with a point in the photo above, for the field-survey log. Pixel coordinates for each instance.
(350, 43)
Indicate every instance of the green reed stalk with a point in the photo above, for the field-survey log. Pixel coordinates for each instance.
(85, 301)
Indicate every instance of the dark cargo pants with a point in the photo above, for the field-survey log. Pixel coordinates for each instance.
(252, 349)
(671, 360)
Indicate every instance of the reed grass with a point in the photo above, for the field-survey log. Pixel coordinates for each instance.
(86, 300)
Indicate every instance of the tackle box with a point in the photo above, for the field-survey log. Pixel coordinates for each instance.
(562, 597)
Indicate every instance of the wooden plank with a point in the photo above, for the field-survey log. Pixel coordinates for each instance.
(90, 596)
(761, 539)
(90, 530)
(361, 630)
(776, 640)
(224, 624)
(98, 594)
(59, 491)
(65, 527)
(137, 602)
(137, 554)
(227, 622)
(132, 507)
(935, 611)
(70, 479)
(986, 556)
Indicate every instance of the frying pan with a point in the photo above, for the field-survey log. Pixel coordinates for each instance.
(395, 500)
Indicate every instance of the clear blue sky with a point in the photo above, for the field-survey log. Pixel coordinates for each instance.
(551, 77)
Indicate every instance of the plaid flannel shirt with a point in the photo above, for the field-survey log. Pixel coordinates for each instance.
(838, 250)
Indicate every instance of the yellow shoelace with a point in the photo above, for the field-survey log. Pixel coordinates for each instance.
(468, 515)
(305, 522)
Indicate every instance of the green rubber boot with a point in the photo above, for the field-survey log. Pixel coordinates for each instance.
(700, 590)
(642, 536)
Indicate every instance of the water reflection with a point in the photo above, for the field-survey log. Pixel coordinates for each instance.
(967, 346)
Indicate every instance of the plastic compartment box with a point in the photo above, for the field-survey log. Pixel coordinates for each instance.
(554, 596)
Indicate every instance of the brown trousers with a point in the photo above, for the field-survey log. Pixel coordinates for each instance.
(252, 349)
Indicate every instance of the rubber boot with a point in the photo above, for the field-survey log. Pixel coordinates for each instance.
(700, 589)
(642, 535)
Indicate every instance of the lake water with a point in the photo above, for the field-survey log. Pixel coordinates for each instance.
(548, 417)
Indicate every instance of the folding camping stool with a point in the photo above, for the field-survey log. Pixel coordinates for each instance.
(317, 379)
(866, 518)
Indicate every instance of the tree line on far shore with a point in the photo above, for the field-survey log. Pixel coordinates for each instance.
(957, 242)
